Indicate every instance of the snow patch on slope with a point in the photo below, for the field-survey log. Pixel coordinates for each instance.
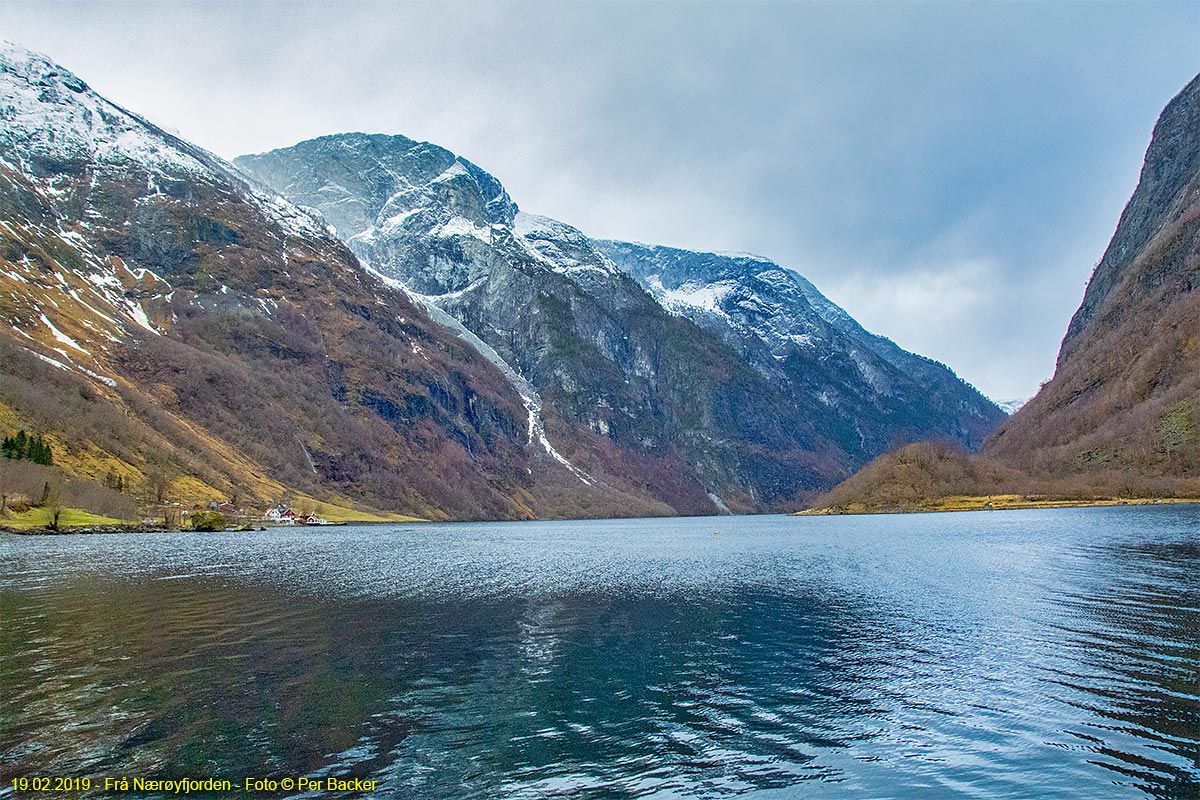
(529, 395)
(692, 295)
(461, 226)
(62, 337)
(719, 503)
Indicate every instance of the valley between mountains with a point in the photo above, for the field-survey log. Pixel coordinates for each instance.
(369, 327)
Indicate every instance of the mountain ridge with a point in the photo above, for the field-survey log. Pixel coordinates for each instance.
(609, 364)
(811, 343)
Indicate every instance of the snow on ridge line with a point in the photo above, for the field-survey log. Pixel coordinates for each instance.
(666, 248)
(451, 172)
(46, 97)
(530, 397)
(544, 237)
(735, 254)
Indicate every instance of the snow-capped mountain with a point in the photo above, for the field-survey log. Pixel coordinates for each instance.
(624, 388)
(791, 332)
(63, 151)
(171, 323)
(562, 311)
(474, 360)
(1011, 407)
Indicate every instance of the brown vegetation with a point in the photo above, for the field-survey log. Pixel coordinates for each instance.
(282, 365)
(24, 484)
(927, 475)
(1125, 398)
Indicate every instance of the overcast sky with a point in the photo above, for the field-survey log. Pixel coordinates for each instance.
(949, 173)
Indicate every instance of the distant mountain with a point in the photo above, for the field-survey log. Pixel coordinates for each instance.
(627, 385)
(621, 391)
(1011, 407)
(867, 386)
(1121, 415)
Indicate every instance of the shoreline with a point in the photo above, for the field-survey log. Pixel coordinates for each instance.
(101, 530)
(963, 503)
(945, 505)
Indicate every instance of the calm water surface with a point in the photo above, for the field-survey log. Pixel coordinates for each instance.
(1011, 654)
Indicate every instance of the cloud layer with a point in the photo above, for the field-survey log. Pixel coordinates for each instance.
(949, 173)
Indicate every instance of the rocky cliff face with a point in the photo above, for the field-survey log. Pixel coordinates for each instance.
(870, 394)
(1148, 251)
(1125, 397)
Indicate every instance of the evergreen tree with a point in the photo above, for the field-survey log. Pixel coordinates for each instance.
(33, 448)
(39, 452)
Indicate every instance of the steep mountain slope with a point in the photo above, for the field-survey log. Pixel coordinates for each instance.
(166, 322)
(629, 385)
(792, 333)
(629, 393)
(1121, 416)
(1125, 396)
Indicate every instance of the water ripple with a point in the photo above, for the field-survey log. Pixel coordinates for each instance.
(1032, 654)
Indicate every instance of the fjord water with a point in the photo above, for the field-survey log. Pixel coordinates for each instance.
(1006, 654)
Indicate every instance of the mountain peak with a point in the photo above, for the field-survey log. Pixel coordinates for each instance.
(52, 118)
(27, 65)
(368, 178)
